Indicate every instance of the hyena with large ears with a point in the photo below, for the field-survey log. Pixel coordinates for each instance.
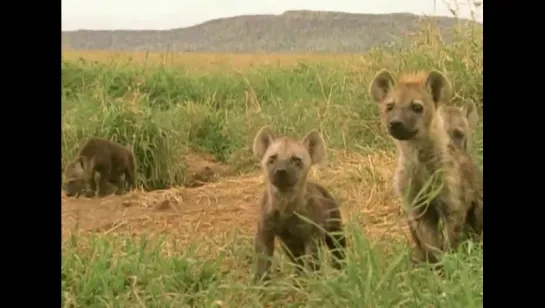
(301, 213)
(436, 180)
(460, 122)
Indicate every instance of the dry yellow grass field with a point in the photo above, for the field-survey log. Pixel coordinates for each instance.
(213, 61)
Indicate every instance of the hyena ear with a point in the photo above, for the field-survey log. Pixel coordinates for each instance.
(315, 145)
(262, 141)
(439, 86)
(89, 168)
(79, 164)
(86, 163)
(381, 85)
(472, 115)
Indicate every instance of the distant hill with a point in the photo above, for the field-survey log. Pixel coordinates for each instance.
(292, 31)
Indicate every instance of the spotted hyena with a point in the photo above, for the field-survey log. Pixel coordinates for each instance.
(99, 163)
(439, 183)
(290, 201)
(460, 122)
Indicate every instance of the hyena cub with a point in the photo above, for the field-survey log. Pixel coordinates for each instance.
(460, 122)
(289, 196)
(99, 163)
(437, 180)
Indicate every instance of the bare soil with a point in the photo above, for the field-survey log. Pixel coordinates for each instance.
(219, 203)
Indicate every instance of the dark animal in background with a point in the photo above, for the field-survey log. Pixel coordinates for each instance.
(99, 164)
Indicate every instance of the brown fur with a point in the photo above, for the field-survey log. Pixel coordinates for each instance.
(289, 196)
(409, 110)
(110, 160)
(460, 122)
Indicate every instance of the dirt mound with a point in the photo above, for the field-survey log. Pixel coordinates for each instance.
(361, 183)
(203, 168)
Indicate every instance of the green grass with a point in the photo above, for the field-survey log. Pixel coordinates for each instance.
(162, 112)
(119, 273)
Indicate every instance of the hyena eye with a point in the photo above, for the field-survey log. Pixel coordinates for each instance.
(272, 159)
(389, 106)
(417, 108)
(458, 134)
(297, 161)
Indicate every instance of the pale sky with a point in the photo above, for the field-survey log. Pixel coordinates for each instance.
(168, 14)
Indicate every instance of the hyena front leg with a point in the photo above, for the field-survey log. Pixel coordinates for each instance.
(475, 219)
(335, 241)
(337, 244)
(311, 252)
(454, 228)
(119, 183)
(264, 248)
(296, 252)
(425, 233)
(100, 185)
(89, 190)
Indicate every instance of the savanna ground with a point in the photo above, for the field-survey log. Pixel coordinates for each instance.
(185, 238)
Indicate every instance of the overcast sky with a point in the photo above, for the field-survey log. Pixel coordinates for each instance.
(168, 14)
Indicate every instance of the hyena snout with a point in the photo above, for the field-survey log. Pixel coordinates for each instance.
(72, 188)
(459, 138)
(400, 130)
(284, 177)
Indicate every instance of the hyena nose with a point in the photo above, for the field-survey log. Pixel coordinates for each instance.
(395, 125)
(281, 178)
(281, 173)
